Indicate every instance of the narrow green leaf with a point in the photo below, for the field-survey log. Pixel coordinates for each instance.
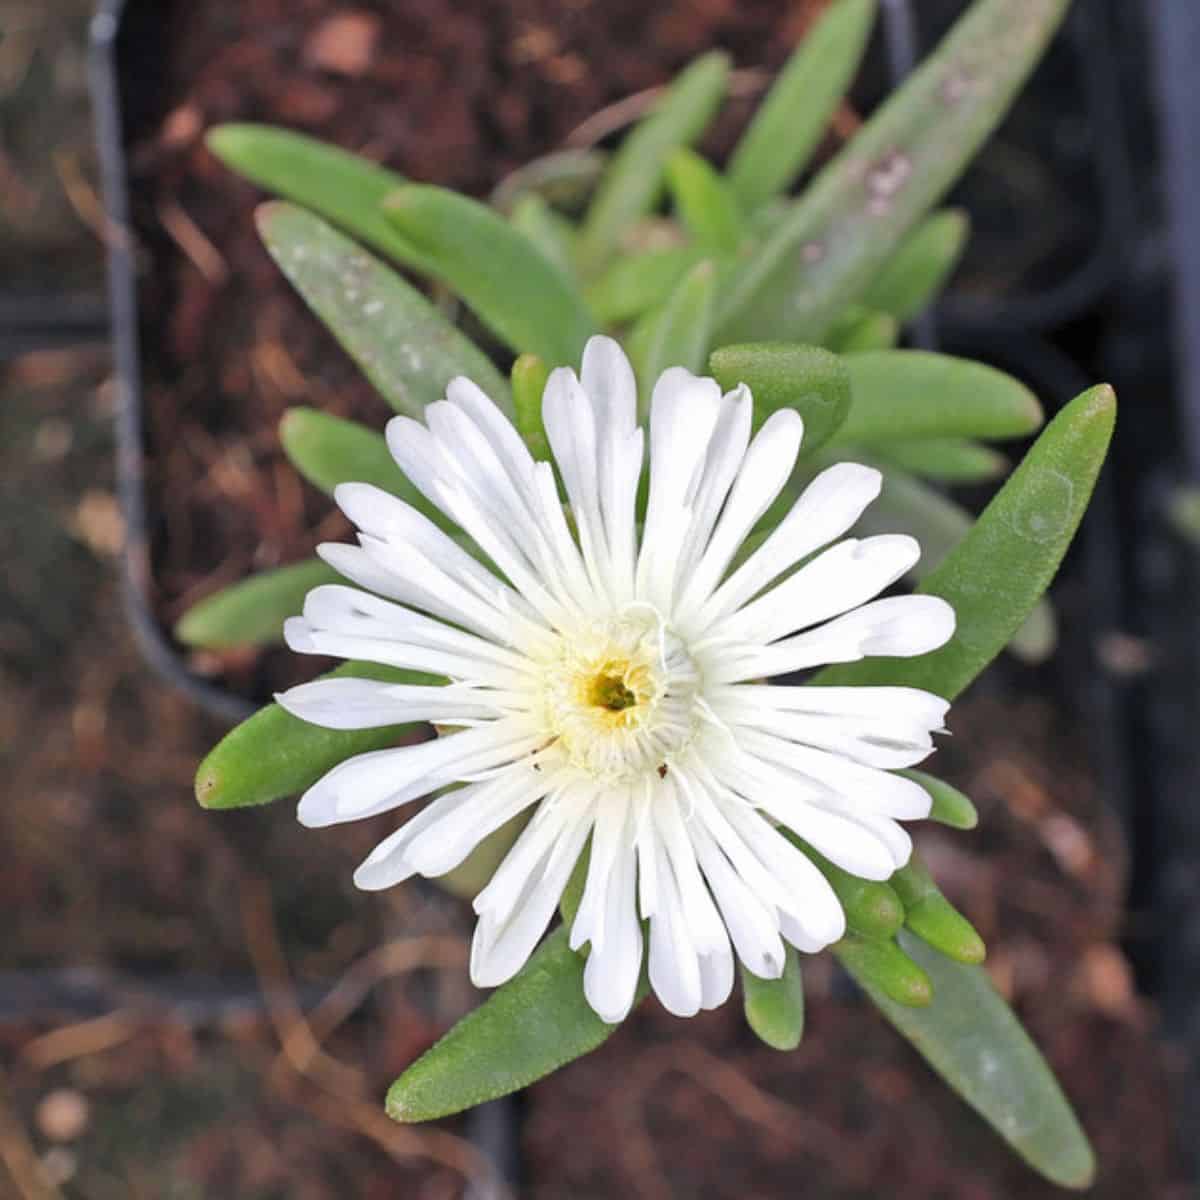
(995, 575)
(343, 188)
(908, 506)
(775, 1007)
(551, 232)
(883, 967)
(273, 754)
(529, 376)
(677, 334)
(404, 346)
(914, 394)
(910, 280)
(932, 917)
(252, 612)
(534, 1024)
(946, 460)
(329, 450)
(860, 330)
(971, 1038)
(705, 204)
(873, 910)
(636, 283)
(564, 178)
(807, 378)
(836, 239)
(519, 294)
(950, 806)
(792, 119)
(633, 182)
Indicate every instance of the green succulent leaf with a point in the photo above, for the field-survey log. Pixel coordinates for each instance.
(636, 283)
(329, 450)
(905, 394)
(860, 329)
(527, 301)
(792, 119)
(882, 967)
(341, 187)
(932, 917)
(971, 1038)
(252, 612)
(873, 910)
(994, 577)
(906, 505)
(551, 232)
(529, 376)
(532, 1025)
(706, 206)
(808, 379)
(945, 460)
(274, 754)
(950, 806)
(910, 280)
(404, 346)
(633, 183)
(829, 249)
(677, 333)
(774, 1008)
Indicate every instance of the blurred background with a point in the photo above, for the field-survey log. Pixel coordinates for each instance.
(199, 1005)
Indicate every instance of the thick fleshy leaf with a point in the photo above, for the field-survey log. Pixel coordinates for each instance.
(633, 182)
(774, 1008)
(910, 280)
(974, 1042)
(252, 612)
(532, 1025)
(915, 394)
(945, 460)
(404, 346)
(704, 203)
(994, 577)
(551, 232)
(329, 450)
(933, 918)
(950, 806)
(529, 375)
(676, 334)
(343, 188)
(807, 378)
(831, 246)
(274, 754)
(795, 113)
(873, 910)
(860, 330)
(636, 283)
(527, 301)
(882, 967)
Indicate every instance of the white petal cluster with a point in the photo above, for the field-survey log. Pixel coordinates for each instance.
(611, 679)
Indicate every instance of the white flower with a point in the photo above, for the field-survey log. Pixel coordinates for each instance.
(613, 682)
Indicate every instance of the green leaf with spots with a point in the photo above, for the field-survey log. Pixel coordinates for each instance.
(971, 1038)
(523, 297)
(274, 754)
(404, 346)
(836, 239)
(252, 612)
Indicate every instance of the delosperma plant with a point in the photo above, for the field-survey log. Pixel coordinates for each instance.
(635, 582)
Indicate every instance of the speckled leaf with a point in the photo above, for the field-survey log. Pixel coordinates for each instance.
(795, 113)
(407, 349)
(252, 612)
(836, 239)
(994, 577)
(274, 754)
(527, 301)
(633, 182)
(974, 1042)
